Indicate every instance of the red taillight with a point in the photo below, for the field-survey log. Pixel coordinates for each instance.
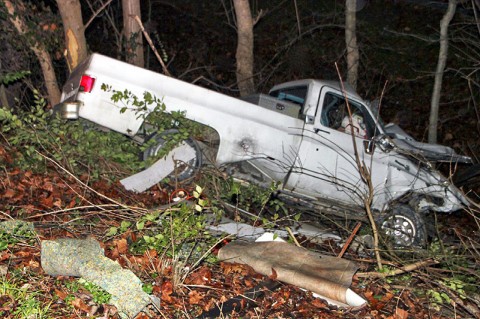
(86, 83)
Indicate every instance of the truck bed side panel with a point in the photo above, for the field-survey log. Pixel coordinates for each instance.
(246, 131)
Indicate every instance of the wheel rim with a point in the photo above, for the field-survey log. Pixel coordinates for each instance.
(401, 229)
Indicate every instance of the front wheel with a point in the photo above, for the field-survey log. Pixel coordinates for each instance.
(183, 171)
(404, 227)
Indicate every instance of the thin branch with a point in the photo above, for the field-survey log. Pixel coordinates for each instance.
(298, 18)
(349, 240)
(96, 13)
(365, 175)
(293, 237)
(415, 36)
(150, 42)
(477, 21)
(399, 271)
(80, 182)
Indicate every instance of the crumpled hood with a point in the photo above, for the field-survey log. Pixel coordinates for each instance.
(419, 150)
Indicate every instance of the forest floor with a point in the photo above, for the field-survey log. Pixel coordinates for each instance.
(443, 280)
(61, 205)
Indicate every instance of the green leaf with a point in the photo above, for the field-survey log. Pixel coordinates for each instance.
(140, 225)
(112, 232)
(124, 225)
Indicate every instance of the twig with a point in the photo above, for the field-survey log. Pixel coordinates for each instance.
(293, 236)
(401, 270)
(349, 240)
(415, 36)
(95, 14)
(209, 251)
(476, 15)
(298, 19)
(260, 14)
(80, 182)
(150, 42)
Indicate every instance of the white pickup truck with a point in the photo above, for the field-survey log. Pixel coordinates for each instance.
(302, 135)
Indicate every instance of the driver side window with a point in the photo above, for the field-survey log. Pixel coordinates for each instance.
(335, 115)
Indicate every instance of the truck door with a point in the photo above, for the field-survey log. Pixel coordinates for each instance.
(327, 166)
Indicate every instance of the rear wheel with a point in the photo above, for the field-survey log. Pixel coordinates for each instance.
(404, 227)
(183, 171)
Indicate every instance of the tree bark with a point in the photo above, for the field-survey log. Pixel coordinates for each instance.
(351, 42)
(74, 29)
(132, 32)
(442, 60)
(244, 55)
(40, 52)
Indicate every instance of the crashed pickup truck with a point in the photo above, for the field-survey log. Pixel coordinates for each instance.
(309, 136)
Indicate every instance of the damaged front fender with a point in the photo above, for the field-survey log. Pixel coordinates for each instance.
(423, 187)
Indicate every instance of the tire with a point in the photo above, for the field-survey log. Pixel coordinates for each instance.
(404, 227)
(184, 171)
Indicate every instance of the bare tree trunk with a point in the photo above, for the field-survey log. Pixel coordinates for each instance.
(3, 98)
(244, 54)
(71, 13)
(41, 53)
(442, 60)
(351, 42)
(132, 32)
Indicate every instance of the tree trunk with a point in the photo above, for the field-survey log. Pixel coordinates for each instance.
(3, 98)
(244, 54)
(41, 53)
(351, 42)
(132, 32)
(71, 13)
(442, 60)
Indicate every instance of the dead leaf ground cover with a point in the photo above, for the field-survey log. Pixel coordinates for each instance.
(61, 205)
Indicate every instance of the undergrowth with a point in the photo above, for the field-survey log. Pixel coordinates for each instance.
(76, 145)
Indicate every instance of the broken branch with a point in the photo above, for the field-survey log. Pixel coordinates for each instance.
(150, 42)
(349, 240)
(401, 270)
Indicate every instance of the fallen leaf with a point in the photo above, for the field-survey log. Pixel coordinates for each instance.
(80, 305)
(167, 290)
(401, 314)
(241, 269)
(194, 297)
(9, 193)
(121, 245)
(57, 203)
(61, 294)
(200, 277)
(273, 276)
(47, 202)
(319, 303)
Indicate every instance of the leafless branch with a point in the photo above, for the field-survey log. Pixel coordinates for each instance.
(415, 36)
(400, 270)
(476, 3)
(96, 13)
(150, 42)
